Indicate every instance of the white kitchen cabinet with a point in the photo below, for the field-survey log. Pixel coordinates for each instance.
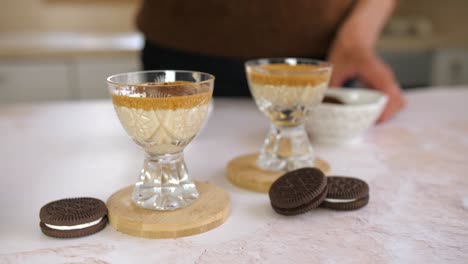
(34, 80)
(411, 68)
(69, 78)
(92, 73)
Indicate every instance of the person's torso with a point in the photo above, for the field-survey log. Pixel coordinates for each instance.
(244, 28)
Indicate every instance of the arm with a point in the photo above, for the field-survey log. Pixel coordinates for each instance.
(353, 55)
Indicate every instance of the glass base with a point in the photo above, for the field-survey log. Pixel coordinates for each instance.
(164, 183)
(286, 149)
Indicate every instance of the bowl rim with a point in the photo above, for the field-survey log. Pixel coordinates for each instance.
(382, 99)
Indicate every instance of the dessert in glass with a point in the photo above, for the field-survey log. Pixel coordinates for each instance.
(162, 111)
(285, 89)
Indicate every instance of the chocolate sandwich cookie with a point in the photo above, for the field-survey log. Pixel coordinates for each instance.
(345, 193)
(73, 217)
(298, 191)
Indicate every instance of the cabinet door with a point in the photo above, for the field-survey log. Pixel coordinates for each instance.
(411, 68)
(450, 67)
(33, 80)
(93, 72)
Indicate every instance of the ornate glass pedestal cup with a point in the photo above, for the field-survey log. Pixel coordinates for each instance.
(285, 89)
(162, 111)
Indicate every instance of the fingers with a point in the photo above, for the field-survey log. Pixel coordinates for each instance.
(395, 104)
(340, 75)
(381, 78)
(378, 76)
(374, 73)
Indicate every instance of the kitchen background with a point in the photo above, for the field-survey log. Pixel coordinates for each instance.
(64, 49)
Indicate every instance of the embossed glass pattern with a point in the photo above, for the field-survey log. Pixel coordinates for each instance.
(162, 111)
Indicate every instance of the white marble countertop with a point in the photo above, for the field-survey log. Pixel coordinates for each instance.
(416, 166)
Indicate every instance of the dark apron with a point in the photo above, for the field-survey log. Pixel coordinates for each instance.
(229, 73)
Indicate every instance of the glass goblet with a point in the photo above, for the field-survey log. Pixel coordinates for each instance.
(162, 111)
(285, 89)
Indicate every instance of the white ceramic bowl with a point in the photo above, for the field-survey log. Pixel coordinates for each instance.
(342, 124)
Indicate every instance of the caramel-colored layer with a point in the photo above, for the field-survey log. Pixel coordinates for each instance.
(173, 95)
(290, 75)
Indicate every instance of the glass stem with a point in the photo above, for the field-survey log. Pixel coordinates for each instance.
(286, 148)
(164, 183)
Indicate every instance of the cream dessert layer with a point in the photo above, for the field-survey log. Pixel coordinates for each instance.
(286, 86)
(163, 118)
(285, 92)
(284, 96)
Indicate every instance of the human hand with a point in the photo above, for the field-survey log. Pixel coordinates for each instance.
(369, 69)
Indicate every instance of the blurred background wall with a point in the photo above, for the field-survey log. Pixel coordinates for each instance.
(67, 15)
(64, 49)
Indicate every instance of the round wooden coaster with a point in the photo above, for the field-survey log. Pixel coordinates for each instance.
(243, 172)
(210, 210)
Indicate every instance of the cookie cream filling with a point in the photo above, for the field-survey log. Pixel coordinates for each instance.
(330, 200)
(80, 226)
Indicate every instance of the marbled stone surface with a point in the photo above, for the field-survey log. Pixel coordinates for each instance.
(416, 166)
